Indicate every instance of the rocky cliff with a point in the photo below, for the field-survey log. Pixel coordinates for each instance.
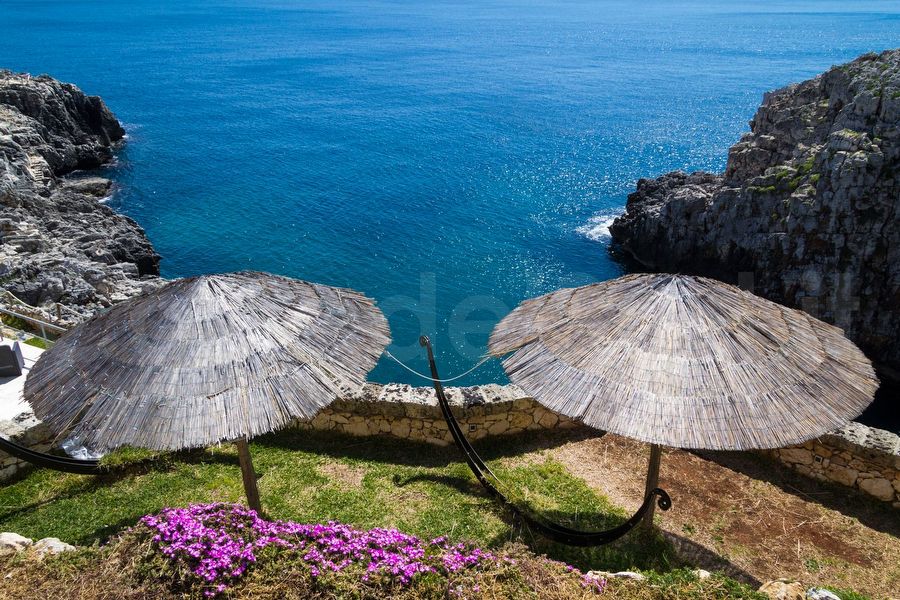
(59, 244)
(807, 212)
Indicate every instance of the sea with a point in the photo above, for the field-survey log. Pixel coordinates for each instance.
(447, 158)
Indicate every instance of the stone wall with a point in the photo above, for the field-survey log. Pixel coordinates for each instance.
(413, 413)
(856, 456)
(25, 429)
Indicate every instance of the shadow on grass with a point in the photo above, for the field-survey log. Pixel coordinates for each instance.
(641, 548)
(697, 555)
(850, 502)
(86, 484)
(387, 449)
(462, 485)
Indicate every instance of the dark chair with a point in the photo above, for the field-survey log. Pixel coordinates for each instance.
(11, 360)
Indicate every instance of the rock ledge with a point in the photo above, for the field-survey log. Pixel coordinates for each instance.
(806, 212)
(61, 248)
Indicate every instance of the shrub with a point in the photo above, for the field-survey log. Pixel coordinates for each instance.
(210, 547)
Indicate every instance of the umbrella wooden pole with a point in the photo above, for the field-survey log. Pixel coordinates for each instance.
(248, 474)
(652, 480)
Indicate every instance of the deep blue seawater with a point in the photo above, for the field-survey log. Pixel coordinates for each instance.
(449, 159)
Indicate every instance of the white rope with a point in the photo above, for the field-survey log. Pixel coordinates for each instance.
(483, 360)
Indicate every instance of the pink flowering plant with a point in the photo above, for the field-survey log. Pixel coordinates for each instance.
(211, 546)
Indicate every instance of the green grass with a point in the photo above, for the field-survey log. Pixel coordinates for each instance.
(314, 477)
(37, 343)
(14, 322)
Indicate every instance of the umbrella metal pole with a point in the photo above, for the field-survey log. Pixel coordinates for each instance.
(248, 474)
(652, 480)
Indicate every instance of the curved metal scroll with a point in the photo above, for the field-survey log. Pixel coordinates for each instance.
(553, 531)
(50, 461)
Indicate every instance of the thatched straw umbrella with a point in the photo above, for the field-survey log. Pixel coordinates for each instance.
(207, 359)
(686, 362)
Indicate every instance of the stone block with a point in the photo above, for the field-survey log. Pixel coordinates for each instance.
(799, 456)
(477, 411)
(415, 410)
(548, 420)
(878, 487)
(498, 428)
(526, 404)
(323, 420)
(837, 459)
(401, 428)
(823, 451)
(843, 475)
(520, 419)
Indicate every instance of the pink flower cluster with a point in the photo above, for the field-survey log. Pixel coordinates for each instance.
(217, 543)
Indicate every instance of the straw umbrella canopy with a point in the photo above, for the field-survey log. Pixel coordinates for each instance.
(684, 361)
(207, 359)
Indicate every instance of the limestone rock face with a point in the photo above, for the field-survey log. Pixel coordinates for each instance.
(807, 212)
(58, 242)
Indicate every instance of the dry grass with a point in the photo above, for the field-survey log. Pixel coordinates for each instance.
(347, 477)
(120, 571)
(752, 518)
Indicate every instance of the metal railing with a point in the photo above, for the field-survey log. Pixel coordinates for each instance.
(38, 324)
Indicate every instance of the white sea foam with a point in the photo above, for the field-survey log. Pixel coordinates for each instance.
(597, 227)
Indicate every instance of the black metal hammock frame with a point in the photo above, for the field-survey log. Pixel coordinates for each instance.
(51, 461)
(552, 531)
